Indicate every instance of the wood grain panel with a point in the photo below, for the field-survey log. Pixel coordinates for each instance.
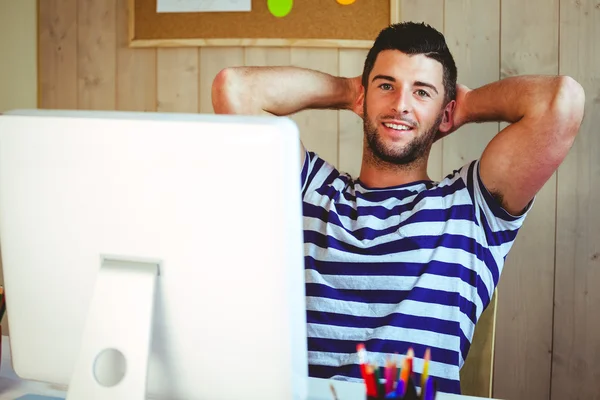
(177, 80)
(575, 367)
(429, 11)
(212, 60)
(318, 128)
(266, 56)
(529, 45)
(96, 54)
(351, 132)
(432, 13)
(18, 49)
(57, 52)
(475, 47)
(136, 69)
(19, 36)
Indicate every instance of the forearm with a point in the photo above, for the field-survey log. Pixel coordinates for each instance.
(278, 90)
(511, 99)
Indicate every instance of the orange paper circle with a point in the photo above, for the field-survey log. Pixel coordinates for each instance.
(345, 2)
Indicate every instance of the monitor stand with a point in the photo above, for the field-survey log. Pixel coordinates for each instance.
(113, 357)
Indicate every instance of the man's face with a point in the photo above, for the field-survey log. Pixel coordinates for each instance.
(403, 106)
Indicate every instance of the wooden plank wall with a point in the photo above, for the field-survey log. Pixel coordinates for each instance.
(575, 368)
(18, 75)
(542, 351)
(475, 47)
(18, 43)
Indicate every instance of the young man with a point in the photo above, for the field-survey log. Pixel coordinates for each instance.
(393, 259)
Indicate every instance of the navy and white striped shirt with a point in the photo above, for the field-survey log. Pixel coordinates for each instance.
(413, 265)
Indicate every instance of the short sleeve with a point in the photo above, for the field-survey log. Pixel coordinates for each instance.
(495, 229)
(315, 172)
(499, 225)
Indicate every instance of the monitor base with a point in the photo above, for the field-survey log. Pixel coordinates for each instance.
(115, 347)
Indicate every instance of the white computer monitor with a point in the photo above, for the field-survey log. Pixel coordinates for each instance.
(173, 239)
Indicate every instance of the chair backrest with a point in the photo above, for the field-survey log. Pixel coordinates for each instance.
(477, 372)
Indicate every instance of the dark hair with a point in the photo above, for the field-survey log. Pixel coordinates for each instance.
(415, 38)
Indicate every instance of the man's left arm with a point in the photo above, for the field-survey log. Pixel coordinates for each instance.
(544, 112)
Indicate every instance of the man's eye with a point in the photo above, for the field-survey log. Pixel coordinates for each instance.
(385, 86)
(422, 93)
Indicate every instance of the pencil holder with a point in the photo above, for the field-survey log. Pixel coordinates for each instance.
(404, 391)
(391, 382)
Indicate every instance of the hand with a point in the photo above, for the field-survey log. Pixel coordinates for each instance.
(455, 113)
(460, 112)
(356, 95)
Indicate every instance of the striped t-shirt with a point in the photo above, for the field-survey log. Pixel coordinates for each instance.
(413, 265)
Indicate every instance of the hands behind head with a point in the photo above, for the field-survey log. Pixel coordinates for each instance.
(460, 116)
(356, 95)
(455, 113)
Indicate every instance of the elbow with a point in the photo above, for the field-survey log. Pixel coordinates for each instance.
(568, 105)
(224, 98)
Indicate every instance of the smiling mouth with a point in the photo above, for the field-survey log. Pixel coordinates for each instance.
(397, 127)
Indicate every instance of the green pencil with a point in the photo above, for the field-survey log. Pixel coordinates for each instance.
(378, 383)
(2, 303)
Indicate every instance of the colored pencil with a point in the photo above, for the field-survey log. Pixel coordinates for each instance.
(410, 355)
(2, 303)
(333, 392)
(400, 388)
(405, 372)
(425, 373)
(362, 359)
(371, 382)
(404, 376)
(395, 368)
(378, 384)
(389, 376)
(429, 390)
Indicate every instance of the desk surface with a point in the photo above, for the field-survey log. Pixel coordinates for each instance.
(12, 387)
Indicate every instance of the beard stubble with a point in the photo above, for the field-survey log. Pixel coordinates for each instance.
(414, 152)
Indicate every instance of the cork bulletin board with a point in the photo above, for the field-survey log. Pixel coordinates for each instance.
(310, 23)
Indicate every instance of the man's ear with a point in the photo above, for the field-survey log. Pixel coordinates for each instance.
(448, 118)
(358, 106)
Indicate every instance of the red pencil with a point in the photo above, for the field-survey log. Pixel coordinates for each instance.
(366, 371)
(410, 355)
(371, 382)
(362, 359)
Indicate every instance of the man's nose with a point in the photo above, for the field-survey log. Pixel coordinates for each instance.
(402, 102)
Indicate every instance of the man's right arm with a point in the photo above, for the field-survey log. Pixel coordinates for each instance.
(281, 91)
